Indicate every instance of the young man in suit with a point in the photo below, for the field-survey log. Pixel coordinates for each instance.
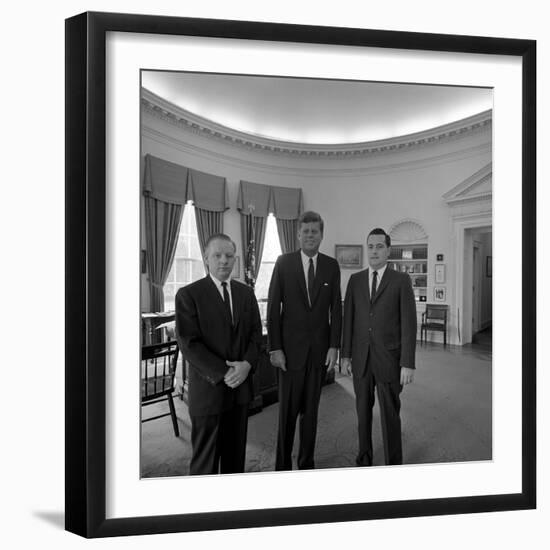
(378, 345)
(219, 333)
(304, 316)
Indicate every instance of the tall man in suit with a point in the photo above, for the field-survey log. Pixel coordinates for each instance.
(379, 345)
(219, 333)
(304, 316)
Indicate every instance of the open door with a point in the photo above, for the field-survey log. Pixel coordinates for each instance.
(476, 288)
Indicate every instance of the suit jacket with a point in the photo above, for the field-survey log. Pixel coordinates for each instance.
(293, 325)
(385, 329)
(207, 339)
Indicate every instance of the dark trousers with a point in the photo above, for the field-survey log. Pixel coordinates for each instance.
(390, 405)
(299, 394)
(219, 442)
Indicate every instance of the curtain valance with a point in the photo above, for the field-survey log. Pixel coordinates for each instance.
(207, 191)
(165, 181)
(287, 203)
(255, 196)
(284, 203)
(176, 184)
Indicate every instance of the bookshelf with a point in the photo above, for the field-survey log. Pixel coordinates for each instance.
(412, 259)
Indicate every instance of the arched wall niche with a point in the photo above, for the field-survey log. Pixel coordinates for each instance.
(409, 254)
(408, 231)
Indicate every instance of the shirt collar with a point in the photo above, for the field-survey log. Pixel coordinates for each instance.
(380, 272)
(305, 258)
(218, 283)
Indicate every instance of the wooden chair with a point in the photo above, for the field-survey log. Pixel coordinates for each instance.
(158, 368)
(434, 319)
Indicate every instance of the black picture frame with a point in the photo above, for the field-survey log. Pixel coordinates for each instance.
(86, 284)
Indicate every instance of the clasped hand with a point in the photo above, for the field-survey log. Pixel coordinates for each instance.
(237, 373)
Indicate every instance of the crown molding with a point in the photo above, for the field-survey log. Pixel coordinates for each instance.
(320, 168)
(168, 112)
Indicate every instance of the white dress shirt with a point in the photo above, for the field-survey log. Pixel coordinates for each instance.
(305, 265)
(380, 272)
(218, 284)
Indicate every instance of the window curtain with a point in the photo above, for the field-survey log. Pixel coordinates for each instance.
(165, 191)
(287, 206)
(288, 235)
(162, 226)
(209, 195)
(208, 223)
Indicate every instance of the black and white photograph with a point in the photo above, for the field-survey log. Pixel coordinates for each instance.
(319, 356)
(232, 120)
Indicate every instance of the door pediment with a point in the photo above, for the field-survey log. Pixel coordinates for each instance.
(477, 188)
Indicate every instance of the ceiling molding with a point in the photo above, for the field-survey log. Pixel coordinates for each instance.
(167, 111)
(320, 168)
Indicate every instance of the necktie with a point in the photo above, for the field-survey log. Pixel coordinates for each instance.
(310, 278)
(226, 301)
(373, 290)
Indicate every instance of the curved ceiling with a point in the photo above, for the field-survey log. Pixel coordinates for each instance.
(317, 111)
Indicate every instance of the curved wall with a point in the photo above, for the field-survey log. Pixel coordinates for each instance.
(354, 188)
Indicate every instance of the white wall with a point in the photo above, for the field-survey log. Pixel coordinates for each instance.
(353, 196)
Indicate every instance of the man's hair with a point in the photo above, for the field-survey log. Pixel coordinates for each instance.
(380, 231)
(219, 237)
(311, 217)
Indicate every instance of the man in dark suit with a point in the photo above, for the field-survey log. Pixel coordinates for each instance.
(379, 345)
(304, 315)
(219, 333)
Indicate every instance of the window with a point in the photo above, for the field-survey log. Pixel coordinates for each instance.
(188, 265)
(272, 250)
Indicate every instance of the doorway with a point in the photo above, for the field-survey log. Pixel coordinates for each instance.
(477, 284)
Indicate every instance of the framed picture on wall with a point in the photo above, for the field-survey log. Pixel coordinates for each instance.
(439, 274)
(349, 256)
(104, 497)
(440, 293)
